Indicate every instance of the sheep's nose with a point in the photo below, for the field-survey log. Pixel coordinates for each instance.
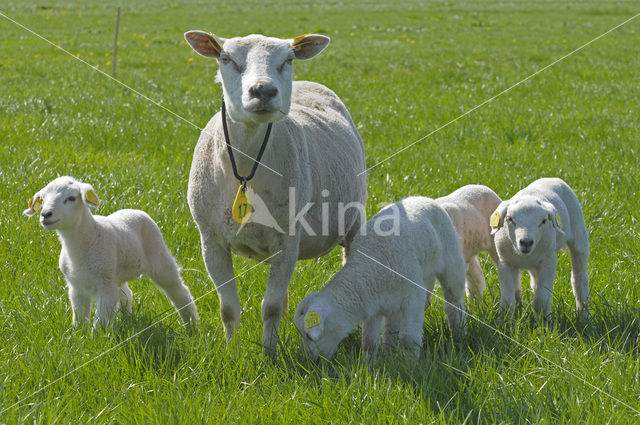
(525, 244)
(263, 91)
(46, 214)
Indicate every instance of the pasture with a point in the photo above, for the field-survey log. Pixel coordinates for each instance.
(404, 69)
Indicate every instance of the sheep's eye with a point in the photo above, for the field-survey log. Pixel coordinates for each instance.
(510, 219)
(70, 199)
(544, 220)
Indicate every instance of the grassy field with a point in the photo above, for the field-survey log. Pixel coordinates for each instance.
(403, 69)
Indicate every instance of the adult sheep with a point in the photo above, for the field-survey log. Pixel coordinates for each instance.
(309, 171)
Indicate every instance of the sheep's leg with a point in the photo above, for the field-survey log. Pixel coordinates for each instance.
(411, 323)
(282, 267)
(580, 278)
(371, 337)
(80, 305)
(475, 283)
(165, 273)
(510, 288)
(542, 277)
(353, 231)
(126, 298)
(220, 267)
(452, 284)
(106, 301)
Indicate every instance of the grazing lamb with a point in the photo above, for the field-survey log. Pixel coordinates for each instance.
(528, 229)
(100, 254)
(470, 208)
(388, 279)
(310, 176)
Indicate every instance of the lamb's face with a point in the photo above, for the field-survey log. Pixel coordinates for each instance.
(256, 71)
(319, 329)
(526, 220)
(61, 203)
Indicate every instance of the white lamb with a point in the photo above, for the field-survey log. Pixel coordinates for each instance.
(528, 229)
(470, 208)
(100, 254)
(387, 280)
(312, 167)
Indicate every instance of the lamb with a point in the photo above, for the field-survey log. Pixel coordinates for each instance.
(310, 177)
(101, 254)
(541, 219)
(387, 281)
(470, 208)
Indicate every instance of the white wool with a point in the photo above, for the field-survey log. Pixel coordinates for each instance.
(314, 145)
(470, 208)
(528, 229)
(391, 295)
(101, 254)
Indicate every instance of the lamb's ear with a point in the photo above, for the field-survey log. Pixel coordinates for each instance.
(554, 217)
(497, 218)
(309, 45)
(34, 204)
(89, 196)
(314, 325)
(204, 43)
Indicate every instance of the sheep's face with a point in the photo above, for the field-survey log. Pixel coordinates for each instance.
(525, 221)
(61, 203)
(320, 329)
(256, 71)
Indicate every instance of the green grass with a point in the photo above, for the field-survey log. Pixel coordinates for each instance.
(403, 69)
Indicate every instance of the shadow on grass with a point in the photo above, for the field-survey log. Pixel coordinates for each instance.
(148, 343)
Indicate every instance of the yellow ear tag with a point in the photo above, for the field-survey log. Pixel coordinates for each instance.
(559, 221)
(241, 209)
(92, 197)
(297, 42)
(495, 219)
(312, 319)
(35, 205)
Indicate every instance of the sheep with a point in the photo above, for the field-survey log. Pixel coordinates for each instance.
(387, 281)
(101, 254)
(541, 219)
(314, 160)
(470, 208)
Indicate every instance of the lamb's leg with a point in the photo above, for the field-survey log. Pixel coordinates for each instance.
(510, 288)
(106, 301)
(580, 277)
(126, 298)
(80, 305)
(167, 276)
(220, 267)
(282, 266)
(475, 283)
(371, 337)
(411, 323)
(452, 283)
(542, 278)
(391, 330)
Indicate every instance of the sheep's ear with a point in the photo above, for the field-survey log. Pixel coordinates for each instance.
(314, 325)
(554, 217)
(204, 43)
(497, 218)
(34, 204)
(89, 196)
(309, 45)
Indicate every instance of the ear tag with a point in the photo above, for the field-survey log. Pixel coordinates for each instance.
(559, 221)
(312, 319)
(297, 42)
(35, 205)
(92, 197)
(495, 219)
(241, 209)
